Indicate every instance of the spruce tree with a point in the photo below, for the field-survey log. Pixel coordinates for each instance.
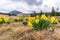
(53, 12)
(41, 13)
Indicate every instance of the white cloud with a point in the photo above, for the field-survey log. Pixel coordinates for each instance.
(48, 4)
(8, 5)
(38, 0)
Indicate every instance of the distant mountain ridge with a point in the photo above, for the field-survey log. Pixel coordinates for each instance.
(15, 12)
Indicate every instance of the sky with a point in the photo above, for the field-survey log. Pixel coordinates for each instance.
(27, 6)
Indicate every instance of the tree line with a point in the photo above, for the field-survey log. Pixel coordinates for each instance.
(52, 13)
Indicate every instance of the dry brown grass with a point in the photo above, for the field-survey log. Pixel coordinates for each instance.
(20, 32)
(17, 31)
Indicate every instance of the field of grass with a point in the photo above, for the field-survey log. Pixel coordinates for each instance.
(18, 31)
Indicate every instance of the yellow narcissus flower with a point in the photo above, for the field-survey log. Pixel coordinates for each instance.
(37, 21)
(52, 19)
(56, 21)
(37, 16)
(1, 20)
(6, 19)
(29, 24)
(44, 17)
(30, 19)
(18, 18)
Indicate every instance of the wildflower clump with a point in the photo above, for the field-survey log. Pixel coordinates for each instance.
(41, 22)
(17, 19)
(53, 20)
(30, 20)
(44, 17)
(4, 19)
(1, 21)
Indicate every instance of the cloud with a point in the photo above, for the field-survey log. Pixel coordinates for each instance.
(28, 5)
(8, 5)
(30, 2)
(48, 4)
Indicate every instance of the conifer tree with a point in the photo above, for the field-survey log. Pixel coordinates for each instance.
(41, 13)
(53, 12)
